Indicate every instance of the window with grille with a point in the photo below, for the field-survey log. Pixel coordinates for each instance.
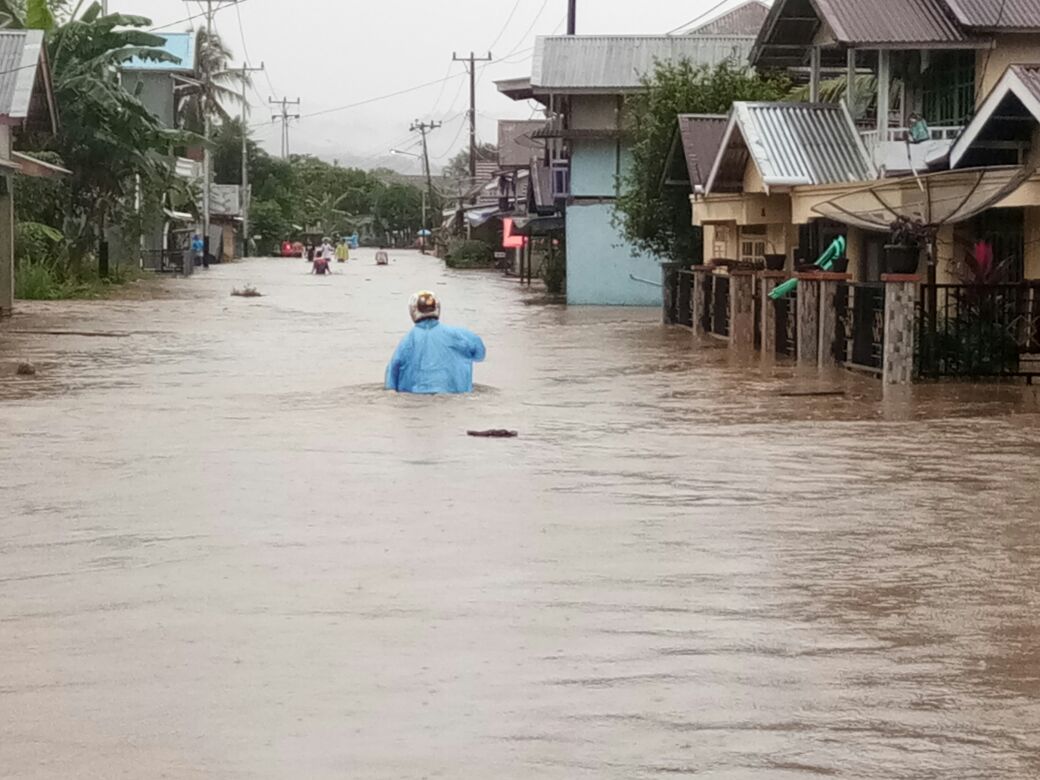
(948, 96)
(753, 243)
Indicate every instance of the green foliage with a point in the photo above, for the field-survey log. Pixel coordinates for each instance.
(656, 217)
(470, 254)
(458, 166)
(218, 86)
(398, 207)
(39, 244)
(554, 273)
(269, 223)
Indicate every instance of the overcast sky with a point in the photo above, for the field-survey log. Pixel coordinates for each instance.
(332, 53)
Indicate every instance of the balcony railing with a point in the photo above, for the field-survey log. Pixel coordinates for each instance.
(900, 134)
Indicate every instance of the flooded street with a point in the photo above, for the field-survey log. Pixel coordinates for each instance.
(226, 553)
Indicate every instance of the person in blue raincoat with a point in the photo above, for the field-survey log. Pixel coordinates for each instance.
(433, 358)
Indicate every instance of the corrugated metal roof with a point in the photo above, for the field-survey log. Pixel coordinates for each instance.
(19, 62)
(997, 14)
(795, 144)
(745, 19)
(1030, 77)
(701, 136)
(590, 63)
(891, 21)
(179, 45)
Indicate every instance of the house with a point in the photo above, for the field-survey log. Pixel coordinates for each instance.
(225, 222)
(158, 85)
(582, 81)
(26, 103)
(937, 87)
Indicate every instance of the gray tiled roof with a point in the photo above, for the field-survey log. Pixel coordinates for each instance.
(891, 21)
(745, 19)
(997, 14)
(701, 136)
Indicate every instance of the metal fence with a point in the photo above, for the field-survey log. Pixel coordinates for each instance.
(979, 331)
(164, 260)
(786, 311)
(860, 338)
(718, 306)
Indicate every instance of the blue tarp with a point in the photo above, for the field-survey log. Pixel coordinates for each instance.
(179, 45)
(435, 358)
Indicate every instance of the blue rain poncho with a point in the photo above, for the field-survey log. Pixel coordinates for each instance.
(435, 358)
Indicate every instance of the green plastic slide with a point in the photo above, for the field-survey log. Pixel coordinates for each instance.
(824, 263)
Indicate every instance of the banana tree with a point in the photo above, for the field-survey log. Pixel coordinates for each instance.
(108, 139)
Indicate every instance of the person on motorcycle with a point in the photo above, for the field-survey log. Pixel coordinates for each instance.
(433, 358)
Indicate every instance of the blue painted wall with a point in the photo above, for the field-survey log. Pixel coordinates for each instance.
(600, 263)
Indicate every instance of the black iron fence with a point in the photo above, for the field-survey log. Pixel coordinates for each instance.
(860, 338)
(978, 330)
(164, 260)
(786, 311)
(718, 306)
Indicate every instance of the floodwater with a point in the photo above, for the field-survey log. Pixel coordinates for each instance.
(225, 552)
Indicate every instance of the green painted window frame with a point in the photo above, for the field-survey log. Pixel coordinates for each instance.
(949, 88)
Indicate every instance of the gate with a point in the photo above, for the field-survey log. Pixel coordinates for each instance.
(860, 341)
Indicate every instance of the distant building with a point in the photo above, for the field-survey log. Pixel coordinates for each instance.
(582, 81)
(26, 103)
(158, 86)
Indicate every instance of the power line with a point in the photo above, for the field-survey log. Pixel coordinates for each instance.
(505, 25)
(697, 18)
(472, 59)
(190, 18)
(285, 116)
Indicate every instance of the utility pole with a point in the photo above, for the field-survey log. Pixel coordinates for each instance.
(424, 128)
(472, 60)
(285, 116)
(572, 17)
(245, 198)
(207, 159)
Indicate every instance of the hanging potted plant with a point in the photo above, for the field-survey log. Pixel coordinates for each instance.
(903, 252)
(775, 261)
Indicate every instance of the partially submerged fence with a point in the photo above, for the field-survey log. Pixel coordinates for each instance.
(860, 338)
(978, 331)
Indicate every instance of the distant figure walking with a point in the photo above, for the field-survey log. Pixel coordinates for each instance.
(198, 250)
(342, 251)
(433, 358)
(382, 258)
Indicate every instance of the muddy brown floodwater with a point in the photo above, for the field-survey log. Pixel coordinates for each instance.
(225, 552)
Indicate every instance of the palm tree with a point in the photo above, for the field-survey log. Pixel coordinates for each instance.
(219, 85)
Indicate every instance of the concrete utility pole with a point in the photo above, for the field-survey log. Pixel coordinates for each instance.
(572, 17)
(472, 60)
(207, 158)
(245, 198)
(285, 116)
(423, 128)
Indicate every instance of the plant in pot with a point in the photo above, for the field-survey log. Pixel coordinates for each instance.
(775, 261)
(903, 251)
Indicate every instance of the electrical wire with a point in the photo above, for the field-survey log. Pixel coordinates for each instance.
(505, 25)
(192, 17)
(697, 18)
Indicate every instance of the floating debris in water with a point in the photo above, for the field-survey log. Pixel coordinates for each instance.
(26, 369)
(246, 292)
(494, 434)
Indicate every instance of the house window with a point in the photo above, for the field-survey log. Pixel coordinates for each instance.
(948, 96)
(753, 243)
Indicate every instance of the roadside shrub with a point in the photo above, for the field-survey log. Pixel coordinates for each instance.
(470, 254)
(554, 274)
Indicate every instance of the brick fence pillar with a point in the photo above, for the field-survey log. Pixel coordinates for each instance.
(742, 311)
(900, 328)
(770, 281)
(808, 319)
(829, 315)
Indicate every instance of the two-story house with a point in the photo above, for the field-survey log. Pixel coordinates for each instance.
(937, 90)
(582, 81)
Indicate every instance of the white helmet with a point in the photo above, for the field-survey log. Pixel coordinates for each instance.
(424, 306)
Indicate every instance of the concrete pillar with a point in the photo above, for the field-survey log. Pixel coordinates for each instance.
(808, 320)
(829, 315)
(742, 311)
(900, 331)
(669, 292)
(6, 247)
(770, 280)
(700, 274)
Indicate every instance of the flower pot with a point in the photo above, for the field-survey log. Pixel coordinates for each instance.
(775, 262)
(900, 259)
(840, 266)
